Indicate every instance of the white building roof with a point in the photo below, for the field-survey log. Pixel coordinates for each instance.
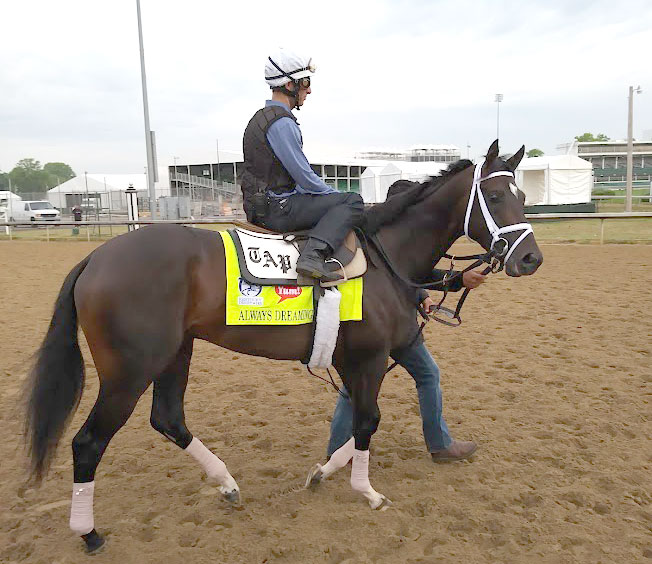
(414, 169)
(6, 194)
(555, 162)
(99, 183)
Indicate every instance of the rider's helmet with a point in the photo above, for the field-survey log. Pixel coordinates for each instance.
(286, 66)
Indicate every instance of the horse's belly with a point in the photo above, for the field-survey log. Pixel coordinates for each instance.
(276, 342)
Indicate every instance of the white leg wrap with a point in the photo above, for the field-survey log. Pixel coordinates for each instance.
(360, 471)
(360, 480)
(339, 458)
(81, 509)
(215, 469)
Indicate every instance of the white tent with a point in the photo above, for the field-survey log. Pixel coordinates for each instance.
(370, 184)
(554, 180)
(107, 191)
(406, 170)
(7, 200)
(6, 196)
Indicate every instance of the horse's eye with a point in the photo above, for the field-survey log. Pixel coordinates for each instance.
(495, 196)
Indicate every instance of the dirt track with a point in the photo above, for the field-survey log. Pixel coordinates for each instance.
(552, 375)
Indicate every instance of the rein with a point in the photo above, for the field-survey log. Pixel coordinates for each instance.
(492, 258)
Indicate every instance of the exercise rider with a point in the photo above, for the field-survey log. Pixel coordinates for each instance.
(281, 191)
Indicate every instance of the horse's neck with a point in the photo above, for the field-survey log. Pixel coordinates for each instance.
(419, 238)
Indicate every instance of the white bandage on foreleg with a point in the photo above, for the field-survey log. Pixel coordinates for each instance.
(339, 458)
(360, 471)
(360, 481)
(215, 469)
(81, 509)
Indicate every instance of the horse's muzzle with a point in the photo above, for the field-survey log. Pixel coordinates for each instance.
(525, 265)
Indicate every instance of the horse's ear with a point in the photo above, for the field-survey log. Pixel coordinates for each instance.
(492, 153)
(514, 160)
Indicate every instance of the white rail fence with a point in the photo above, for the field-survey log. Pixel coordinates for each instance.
(237, 220)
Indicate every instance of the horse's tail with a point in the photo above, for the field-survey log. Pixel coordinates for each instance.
(56, 380)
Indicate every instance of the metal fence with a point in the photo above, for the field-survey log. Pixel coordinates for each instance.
(208, 198)
(575, 227)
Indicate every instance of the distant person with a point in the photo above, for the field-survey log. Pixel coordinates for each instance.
(280, 190)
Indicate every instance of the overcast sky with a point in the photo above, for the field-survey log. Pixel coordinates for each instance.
(390, 74)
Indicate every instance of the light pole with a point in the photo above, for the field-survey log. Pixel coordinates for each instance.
(151, 176)
(176, 180)
(630, 148)
(86, 184)
(498, 99)
(219, 176)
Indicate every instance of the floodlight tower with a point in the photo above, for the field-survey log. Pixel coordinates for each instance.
(630, 148)
(498, 100)
(152, 174)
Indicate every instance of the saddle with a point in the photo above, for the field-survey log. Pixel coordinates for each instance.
(270, 258)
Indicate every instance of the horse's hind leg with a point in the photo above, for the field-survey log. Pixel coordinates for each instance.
(115, 403)
(168, 419)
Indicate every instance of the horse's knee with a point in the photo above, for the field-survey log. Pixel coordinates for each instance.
(171, 428)
(364, 429)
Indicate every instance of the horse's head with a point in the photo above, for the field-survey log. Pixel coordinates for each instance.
(494, 216)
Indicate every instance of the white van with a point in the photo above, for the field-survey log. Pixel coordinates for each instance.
(35, 210)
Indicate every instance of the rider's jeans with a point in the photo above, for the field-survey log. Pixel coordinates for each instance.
(423, 368)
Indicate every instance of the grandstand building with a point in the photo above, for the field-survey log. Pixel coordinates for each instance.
(343, 174)
(417, 153)
(609, 159)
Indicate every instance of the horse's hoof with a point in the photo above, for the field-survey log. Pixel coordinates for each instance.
(93, 541)
(383, 504)
(314, 476)
(233, 497)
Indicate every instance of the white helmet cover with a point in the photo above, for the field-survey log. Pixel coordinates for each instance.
(284, 66)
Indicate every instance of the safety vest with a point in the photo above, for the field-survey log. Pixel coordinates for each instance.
(262, 169)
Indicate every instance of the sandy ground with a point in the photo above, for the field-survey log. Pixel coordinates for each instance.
(551, 375)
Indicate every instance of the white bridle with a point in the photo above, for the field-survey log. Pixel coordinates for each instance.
(494, 230)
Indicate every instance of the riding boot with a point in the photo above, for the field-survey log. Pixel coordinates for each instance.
(312, 261)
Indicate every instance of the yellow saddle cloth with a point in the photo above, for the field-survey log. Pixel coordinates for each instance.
(252, 304)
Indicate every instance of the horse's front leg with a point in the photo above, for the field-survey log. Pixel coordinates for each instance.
(363, 381)
(366, 417)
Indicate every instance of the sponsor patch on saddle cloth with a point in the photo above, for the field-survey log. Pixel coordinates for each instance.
(254, 304)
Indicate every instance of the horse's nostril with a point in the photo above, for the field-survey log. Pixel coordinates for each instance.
(531, 259)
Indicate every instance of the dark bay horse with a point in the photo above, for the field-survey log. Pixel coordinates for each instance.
(144, 297)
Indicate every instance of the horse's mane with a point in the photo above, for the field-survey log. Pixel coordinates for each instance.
(404, 194)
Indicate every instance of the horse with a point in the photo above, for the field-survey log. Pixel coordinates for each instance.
(143, 298)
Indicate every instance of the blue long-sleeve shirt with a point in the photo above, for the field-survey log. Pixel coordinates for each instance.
(284, 137)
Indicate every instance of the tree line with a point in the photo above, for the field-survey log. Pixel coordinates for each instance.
(583, 137)
(29, 176)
